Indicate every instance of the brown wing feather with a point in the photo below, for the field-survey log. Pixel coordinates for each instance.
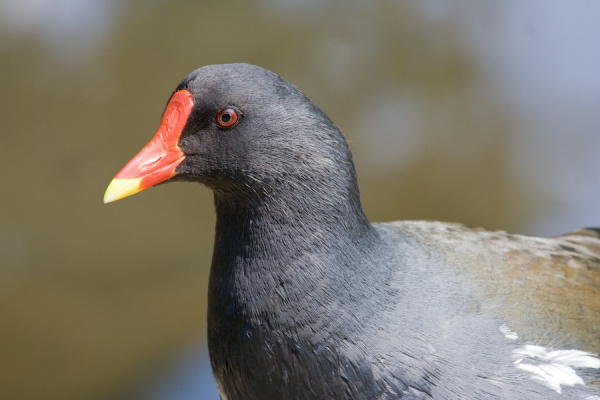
(545, 289)
(586, 237)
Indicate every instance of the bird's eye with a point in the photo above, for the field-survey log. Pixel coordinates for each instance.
(227, 117)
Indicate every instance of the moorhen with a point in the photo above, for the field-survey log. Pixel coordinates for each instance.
(308, 300)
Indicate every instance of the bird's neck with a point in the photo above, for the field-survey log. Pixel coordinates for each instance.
(270, 266)
(264, 240)
(270, 224)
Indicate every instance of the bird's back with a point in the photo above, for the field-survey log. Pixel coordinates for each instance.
(548, 289)
(544, 294)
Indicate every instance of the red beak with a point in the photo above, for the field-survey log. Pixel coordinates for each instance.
(157, 161)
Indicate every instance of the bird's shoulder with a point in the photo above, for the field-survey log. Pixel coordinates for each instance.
(579, 249)
(546, 289)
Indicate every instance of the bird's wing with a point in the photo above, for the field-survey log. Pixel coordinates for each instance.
(586, 237)
(547, 290)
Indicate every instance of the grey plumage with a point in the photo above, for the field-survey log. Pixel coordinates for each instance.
(308, 300)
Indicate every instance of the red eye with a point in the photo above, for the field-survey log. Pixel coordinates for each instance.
(227, 117)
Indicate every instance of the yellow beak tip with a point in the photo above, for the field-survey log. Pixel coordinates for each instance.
(119, 188)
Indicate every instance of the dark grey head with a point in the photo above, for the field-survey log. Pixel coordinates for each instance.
(251, 137)
(280, 137)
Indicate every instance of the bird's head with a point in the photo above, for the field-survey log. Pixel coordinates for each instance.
(236, 128)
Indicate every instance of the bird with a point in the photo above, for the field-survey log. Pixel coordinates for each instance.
(308, 299)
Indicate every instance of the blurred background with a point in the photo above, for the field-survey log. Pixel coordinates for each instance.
(486, 113)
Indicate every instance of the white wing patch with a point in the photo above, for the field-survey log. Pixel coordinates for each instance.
(554, 368)
(508, 333)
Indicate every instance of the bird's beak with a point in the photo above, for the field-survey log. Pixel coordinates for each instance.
(157, 161)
